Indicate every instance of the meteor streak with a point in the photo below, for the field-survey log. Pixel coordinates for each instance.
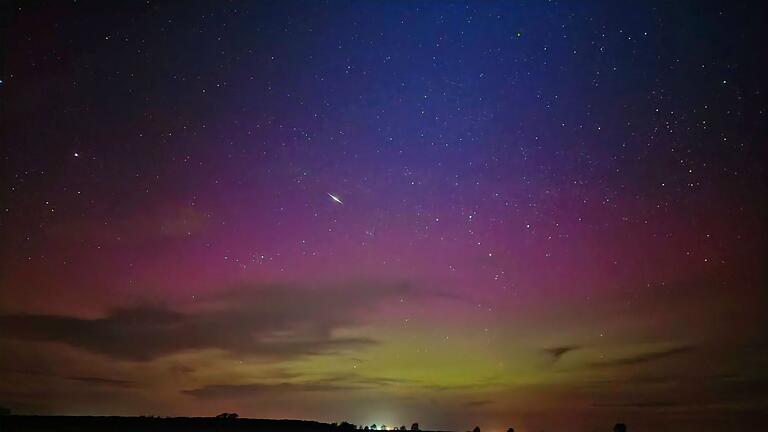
(335, 198)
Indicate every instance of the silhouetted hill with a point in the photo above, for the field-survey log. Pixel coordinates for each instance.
(17, 423)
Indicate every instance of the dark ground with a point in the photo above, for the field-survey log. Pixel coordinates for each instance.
(16, 423)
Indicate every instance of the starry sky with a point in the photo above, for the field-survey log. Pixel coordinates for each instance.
(539, 214)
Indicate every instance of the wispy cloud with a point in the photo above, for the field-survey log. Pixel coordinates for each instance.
(112, 382)
(276, 320)
(556, 353)
(226, 391)
(479, 403)
(329, 383)
(103, 381)
(639, 404)
(644, 357)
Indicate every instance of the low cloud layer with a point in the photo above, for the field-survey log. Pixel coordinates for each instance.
(227, 391)
(645, 357)
(337, 382)
(556, 353)
(279, 321)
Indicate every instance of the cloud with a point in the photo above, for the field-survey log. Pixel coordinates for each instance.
(363, 381)
(227, 391)
(280, 321)
(558, 352)
(85, 379)
(336, 382)
(630, 382)
(103, 381)
(649, 404)
(644, 358)
(484, 383)
(174, 220)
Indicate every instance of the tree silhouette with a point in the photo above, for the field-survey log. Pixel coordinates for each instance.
(619, 427)
(476, 429)
(415, 427)
(374, 427)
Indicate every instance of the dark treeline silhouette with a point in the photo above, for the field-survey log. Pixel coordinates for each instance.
(222, 423)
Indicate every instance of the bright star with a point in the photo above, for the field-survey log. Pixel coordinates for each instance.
(335, 198)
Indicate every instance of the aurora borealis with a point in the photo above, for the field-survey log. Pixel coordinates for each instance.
(541, 214)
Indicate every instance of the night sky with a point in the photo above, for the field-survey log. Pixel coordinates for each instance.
(544, 214)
